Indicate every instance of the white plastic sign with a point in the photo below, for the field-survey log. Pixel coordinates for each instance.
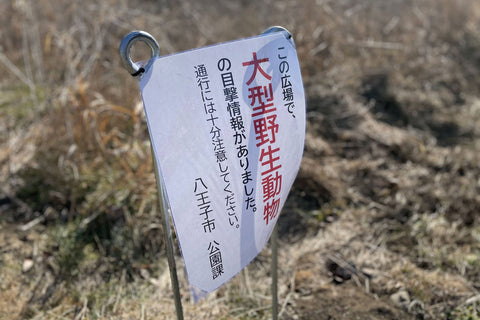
(227, 123)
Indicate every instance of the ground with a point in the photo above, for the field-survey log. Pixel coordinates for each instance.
(382, 221)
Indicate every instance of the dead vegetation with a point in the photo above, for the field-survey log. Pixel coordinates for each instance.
(382, 222)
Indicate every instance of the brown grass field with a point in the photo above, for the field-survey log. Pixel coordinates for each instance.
(383, 221)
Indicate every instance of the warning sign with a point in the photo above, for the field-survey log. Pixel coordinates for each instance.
(227, 124)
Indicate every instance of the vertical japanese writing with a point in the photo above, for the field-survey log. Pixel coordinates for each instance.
(287, 90)
(215, 256)
(264, 117)
(200, 191)
(230, 92)
(203, 83)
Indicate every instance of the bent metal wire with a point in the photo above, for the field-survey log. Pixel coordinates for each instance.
(274, 237)
(135, 69)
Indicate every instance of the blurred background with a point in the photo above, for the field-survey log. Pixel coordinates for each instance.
(383, 219)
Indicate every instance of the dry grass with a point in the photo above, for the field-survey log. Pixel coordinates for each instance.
(388, 187)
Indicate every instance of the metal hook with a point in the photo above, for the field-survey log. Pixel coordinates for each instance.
(127, 42)
(273, 29)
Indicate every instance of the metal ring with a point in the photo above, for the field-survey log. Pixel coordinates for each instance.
(273, 29)
(127, 43)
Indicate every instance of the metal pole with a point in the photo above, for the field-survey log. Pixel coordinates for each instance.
(135, 70)
(168, 242)
(274, 237)
(274, 273)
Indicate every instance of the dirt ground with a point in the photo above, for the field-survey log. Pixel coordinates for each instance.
(347, 302)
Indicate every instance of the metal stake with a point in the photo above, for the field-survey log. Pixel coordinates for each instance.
(274, 236)
(274, 244)
(136, 70)
(168, 242)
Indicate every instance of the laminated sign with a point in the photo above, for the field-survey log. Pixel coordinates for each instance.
(227, 124)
